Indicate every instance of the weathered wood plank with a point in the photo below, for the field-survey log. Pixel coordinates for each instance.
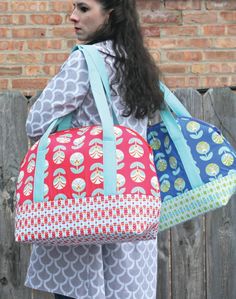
(188, 239)
(14, 257)
(13, 146)
(164, 266)
(220, 110)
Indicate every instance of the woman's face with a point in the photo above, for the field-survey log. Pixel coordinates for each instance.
(88, 16)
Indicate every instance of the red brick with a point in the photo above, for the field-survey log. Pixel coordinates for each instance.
(11, 45)
(44, 44)
(51, 70)
(173, 69)
(46, 19)
(151, 4)
(29, 6)
(30, 71)
(199, 17)
(22, 58)
(194, 43)
(214, 30)
(222, 68)
(70, 43)
(228, 16)
(220, 55)
(2, 58)
(221, 4)
(217, 81)
(3, 6)
(28, 32)
(199, 68)
(62, 7)
(15, 20)
(160, 17)
(175, 82)
(151, 31)
(64, 32)
(231, 29)
(183, 4)
(4, 83)
(179, 31)
(55, 57)
(3, 32)
(182, 82)
(184, 56)
(10, 71)
(26, 83)
(193, 82)
(158, 43)
(233, 80)
(225, 43)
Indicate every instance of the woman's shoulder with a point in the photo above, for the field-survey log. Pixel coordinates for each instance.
(105, 47)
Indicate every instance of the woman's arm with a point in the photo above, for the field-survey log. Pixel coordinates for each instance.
(63, 94)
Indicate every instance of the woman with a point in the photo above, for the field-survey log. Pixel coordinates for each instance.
(112, 271)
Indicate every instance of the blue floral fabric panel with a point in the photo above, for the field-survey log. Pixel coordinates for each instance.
(212, 153)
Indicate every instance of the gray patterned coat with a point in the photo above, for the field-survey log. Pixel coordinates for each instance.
(111, 271)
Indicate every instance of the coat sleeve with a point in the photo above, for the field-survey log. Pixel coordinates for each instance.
(63, 94)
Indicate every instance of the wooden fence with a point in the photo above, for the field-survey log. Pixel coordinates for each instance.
(196, 259)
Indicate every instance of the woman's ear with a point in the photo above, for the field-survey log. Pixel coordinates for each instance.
(108, 15)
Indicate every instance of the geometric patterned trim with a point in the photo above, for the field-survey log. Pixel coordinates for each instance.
(197, 201)
(89, 220)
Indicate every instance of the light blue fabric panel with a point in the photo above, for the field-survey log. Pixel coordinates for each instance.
(172, 101)
(100, 66)
(109, 141)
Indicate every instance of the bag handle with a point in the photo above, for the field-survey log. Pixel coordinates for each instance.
(173, 102)
(182, 148)
(170, 122)
(100, 66)
(109, 140)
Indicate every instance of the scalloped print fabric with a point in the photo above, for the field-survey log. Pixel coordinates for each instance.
(215, 159)
(75, 209)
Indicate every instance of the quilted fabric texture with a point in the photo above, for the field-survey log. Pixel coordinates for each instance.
(76, 210)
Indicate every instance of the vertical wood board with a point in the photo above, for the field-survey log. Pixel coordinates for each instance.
(220, 110)
(13, 146)
(188, 239)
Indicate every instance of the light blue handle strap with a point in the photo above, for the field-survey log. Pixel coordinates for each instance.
(182, 148)
(100, 65)
(168, 119)
(38, 193)
(109, 142)
(172, 101)
(170, 122)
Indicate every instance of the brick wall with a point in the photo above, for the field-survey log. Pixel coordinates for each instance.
(193, 41)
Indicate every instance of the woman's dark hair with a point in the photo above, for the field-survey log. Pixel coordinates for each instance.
(136, 69)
